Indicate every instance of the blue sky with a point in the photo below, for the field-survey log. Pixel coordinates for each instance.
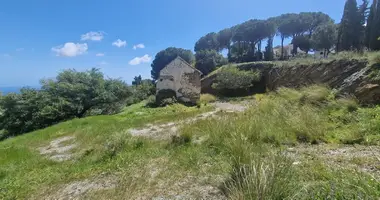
(40, 38)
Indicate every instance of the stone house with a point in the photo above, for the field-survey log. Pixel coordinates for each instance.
(179, 79)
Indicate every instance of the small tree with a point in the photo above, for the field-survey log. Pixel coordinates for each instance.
(234, 82)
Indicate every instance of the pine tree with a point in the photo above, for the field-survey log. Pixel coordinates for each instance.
(268, 54)
(375, 27)
(362, 16)
(369, 26)
(348, 31)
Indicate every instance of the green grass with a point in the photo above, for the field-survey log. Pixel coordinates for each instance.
(104, 145)
(254, 143)
(243, 154)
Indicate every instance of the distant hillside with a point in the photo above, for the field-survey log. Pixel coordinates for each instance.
(6, 90)
(16, 89)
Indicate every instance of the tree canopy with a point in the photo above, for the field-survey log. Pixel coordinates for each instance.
(324, 37)
(208, 60)
(71, 94)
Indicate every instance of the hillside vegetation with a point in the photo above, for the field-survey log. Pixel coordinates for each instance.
(273, 150)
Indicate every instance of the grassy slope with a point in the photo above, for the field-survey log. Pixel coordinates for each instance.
(104, 146)
(232, 150)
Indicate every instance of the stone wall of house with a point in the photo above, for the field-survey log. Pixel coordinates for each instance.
(182, 79)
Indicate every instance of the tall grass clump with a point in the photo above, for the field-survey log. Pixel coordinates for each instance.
(207, 98)
(265, 176)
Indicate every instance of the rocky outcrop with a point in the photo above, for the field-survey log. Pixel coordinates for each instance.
(348, 76)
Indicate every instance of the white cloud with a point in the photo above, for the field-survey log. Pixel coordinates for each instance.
(138, 46)
(20, 49)
(119, 43)
(103, 63)
(100, 54)
(70, 49)
(138, 60)
(94, 36)
(7, 55)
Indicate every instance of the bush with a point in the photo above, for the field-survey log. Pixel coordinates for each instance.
(167, 101)
(374, 62)
(180, 140)
(141, 91)
(151, 101)
(71, 94)
(232, 81)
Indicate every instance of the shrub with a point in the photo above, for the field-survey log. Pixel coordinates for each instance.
(166, 97)
(151, 101)
(232, 81)
(71, 94)
(141, 90)
(180, 140)
(374, 62)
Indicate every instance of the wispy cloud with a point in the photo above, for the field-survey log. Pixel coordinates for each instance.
(139, 60)
(100, 54)
(70, 49)
(20, 49)
(6, 55)
(138, 46)
(119, 43)
(94, 36)
(103, 63)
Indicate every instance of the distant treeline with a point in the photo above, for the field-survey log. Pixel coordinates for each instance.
(358, 29)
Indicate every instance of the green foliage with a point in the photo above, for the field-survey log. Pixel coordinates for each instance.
(350, 28)
(268, 54)
(207, 98)
(303, 42)
(224, 38)
(151, 101)
(374, 62)
(141, 90)
(208, 60)
(167, 101)
(164, 57)
(71, 94)
(262, 176)
(207, 42)
(372, 31)
(324, 37)
(231, 79)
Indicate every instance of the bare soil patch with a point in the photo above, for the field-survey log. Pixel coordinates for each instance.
(58, 151)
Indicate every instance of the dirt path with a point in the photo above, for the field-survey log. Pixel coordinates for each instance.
(165, 131)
